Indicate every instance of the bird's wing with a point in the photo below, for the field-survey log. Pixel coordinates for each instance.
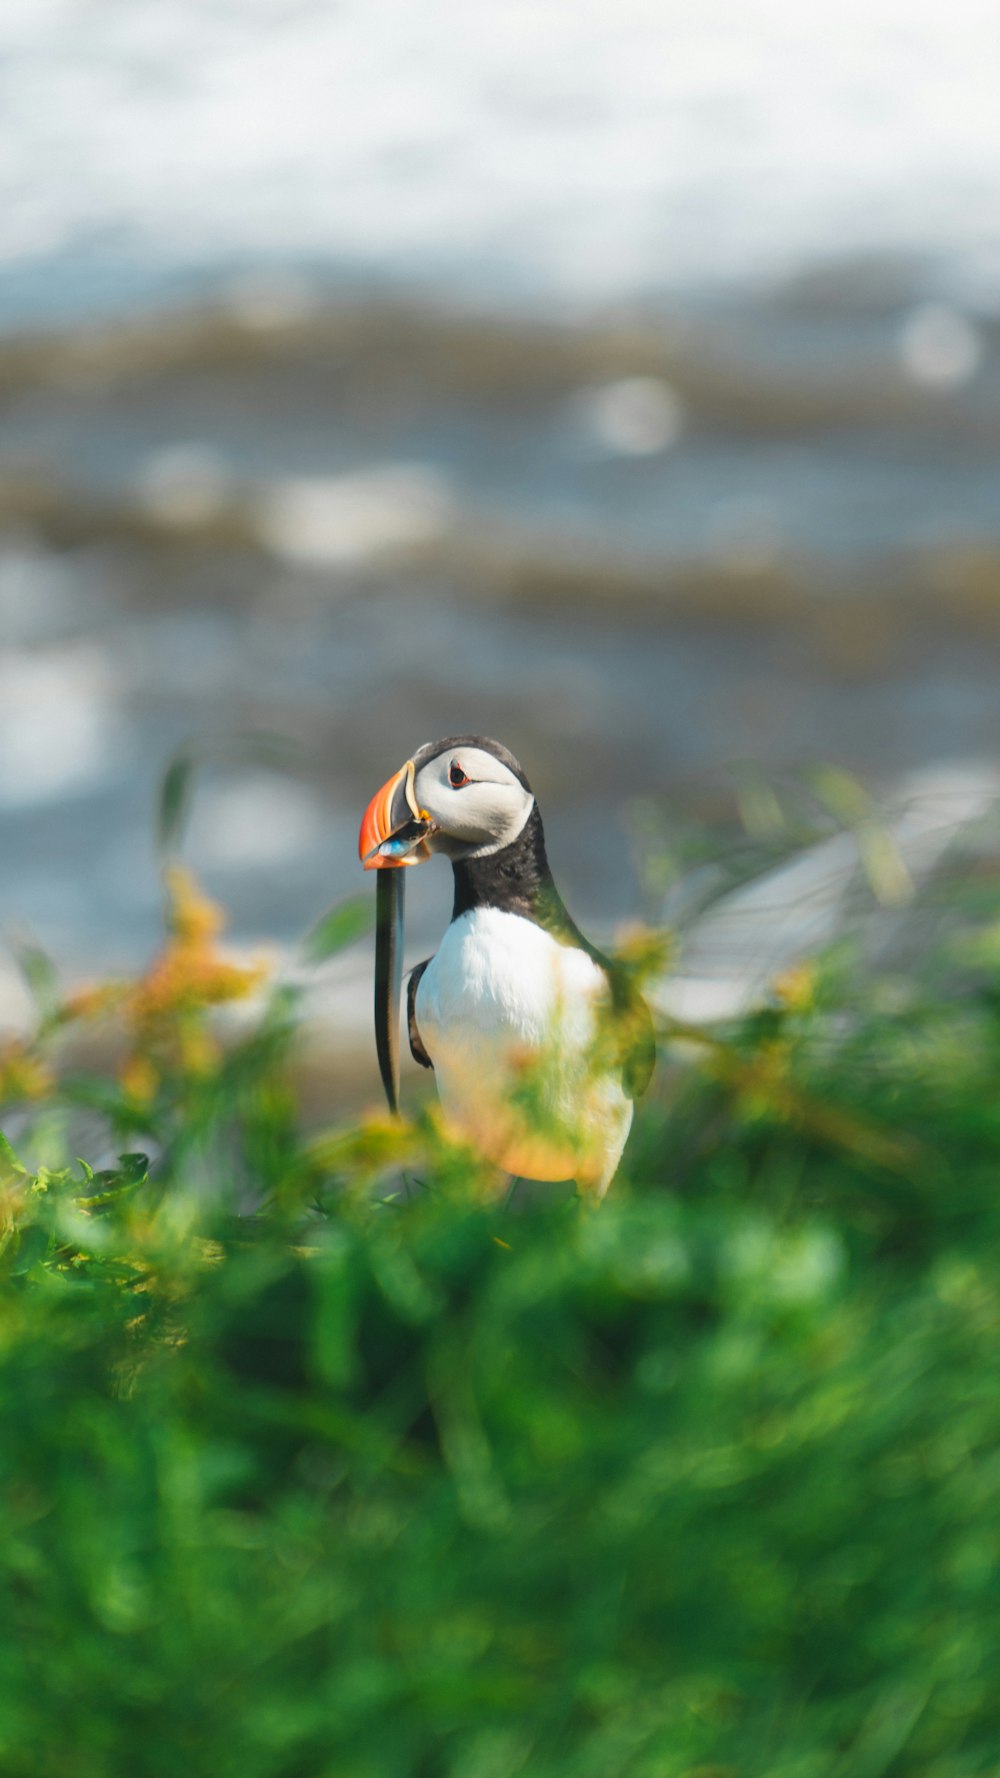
(635, 1039)
(638, 1037)
(417, 1050)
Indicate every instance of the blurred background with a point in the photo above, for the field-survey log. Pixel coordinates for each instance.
(620, 380)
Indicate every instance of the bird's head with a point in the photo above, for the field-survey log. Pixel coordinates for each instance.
(465, 796)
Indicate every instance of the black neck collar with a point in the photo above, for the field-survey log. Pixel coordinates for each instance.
(517, 879)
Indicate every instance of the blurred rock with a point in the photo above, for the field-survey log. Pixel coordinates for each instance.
(939, 346)
(340, 521)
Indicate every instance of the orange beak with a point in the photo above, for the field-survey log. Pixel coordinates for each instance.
(394, 827)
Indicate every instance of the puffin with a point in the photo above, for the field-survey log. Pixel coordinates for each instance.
(539, 1043)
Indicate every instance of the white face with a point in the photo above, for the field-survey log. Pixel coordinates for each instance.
(478, 805)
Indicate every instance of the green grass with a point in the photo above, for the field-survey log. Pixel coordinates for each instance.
(307, 1472)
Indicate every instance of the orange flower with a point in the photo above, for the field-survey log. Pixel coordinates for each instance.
(190, 973)
(163, 1007)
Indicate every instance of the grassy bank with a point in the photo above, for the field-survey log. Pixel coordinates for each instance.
(315, 1464)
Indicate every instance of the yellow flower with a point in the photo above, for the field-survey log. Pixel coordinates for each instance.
(139, 1080)
(796, 987)
(96, 998)
(645, 950)
(189, 974)
(22, 1074)
(191, 916)
(199, 1053)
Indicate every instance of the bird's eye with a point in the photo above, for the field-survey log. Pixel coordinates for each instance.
(456, 776)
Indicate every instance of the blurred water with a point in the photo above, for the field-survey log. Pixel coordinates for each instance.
(621, 380)
(589, 463)
(358, 672)
(540, 152)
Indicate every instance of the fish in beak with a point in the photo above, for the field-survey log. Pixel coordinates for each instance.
(395, 828)
(394, 832)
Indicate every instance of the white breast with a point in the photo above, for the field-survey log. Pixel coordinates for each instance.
(509, 1018)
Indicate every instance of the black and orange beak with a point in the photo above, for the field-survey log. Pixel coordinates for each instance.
(394, 828)
(393, 833)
